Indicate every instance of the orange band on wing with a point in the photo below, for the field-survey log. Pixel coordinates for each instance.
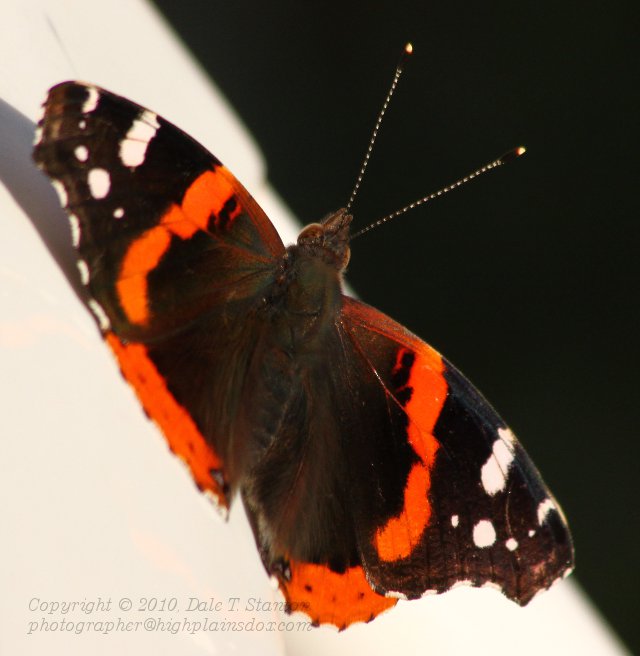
(398, 537)
(206, 197)
(183, 437)
(143, 255)
(424, 406)
(328, 597)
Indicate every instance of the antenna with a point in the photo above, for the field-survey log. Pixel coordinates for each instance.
(408, 50)
(507, 157)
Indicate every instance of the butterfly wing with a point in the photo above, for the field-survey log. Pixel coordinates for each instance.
(173, 252)
(449, 495)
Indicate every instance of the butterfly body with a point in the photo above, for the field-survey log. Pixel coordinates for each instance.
(370, 468)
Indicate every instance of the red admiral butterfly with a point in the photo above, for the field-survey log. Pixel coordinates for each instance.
(370, 468)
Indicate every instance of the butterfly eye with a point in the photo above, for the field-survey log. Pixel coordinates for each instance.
(345, 258)
(310, 233)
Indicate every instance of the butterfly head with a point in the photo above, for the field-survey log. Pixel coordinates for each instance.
(328, 239)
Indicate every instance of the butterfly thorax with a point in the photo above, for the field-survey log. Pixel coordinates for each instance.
(308, 290)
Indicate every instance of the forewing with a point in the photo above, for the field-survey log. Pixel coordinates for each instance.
(174, 253)
(443, 493)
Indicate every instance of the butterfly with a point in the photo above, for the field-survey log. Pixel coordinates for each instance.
(370, 468)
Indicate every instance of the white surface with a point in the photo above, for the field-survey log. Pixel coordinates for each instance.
(93, 506)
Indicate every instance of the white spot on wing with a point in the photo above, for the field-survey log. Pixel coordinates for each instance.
(82, 124)
(543, 510)
(133, 148)
(455, 520)
(511, 544)
(91, 102)
(81, 153)
(118, 213)
(84, 271)
(99, 183)
(394, 594)
(61, 191)
(507, 435)
(494, 471)
(74, 222)
(484, 535)
(531, 533)
(101, 315)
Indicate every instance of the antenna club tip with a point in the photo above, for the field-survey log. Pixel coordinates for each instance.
(512, 154)
(406, 53)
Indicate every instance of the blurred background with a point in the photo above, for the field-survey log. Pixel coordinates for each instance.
(527, 279)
